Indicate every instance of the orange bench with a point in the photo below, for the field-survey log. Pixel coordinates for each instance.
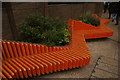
(23, 60)
(90, 31)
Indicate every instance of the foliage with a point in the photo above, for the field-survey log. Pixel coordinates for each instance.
(89, 19)
(44, 30)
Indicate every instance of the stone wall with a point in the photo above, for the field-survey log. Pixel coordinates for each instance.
(15, 12)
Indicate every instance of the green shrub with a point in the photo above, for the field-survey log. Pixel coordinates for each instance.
(89, 19)
(44, 30)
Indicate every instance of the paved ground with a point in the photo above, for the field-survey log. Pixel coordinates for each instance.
(104, 61)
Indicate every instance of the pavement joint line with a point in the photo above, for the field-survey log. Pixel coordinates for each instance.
(110, 58)
(114, 40)
(94, 76)
(109, 64)
(107, 71)
(93, 71)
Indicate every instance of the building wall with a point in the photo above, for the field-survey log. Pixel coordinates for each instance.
(66, 11)
(16, 12)
(6, 29)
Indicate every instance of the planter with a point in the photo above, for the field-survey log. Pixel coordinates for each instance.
(90, 31)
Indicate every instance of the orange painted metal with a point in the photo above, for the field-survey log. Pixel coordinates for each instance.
(9, 71)
(90, 31)
(7, 75)
(42, 49)
(22, 49)
(45, 61)
(19, 70)
(29, 65)
(23, 60)
(24, 70)
(27, 49)
(10, 49)
(3, 54)
(2, 76)
(5, 49)
(12, 69)
(34, 64)
(34, 48)
(38, 49)
(29, 71)
(18, 49)
(41, 67)
(53, 63)
(14, 49)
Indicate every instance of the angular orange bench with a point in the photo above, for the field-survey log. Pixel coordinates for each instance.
(23, 60)
(91, 32)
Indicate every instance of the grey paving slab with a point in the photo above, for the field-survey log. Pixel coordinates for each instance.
(102, 74)
(115, 29)
(116, 55)
(109, 61)
(102, 47)
(93, 77)
(107, 67)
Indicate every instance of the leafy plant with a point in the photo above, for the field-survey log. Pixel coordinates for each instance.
(44, 30)
(89, 19)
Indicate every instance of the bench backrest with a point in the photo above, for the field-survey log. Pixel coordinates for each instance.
(12, 49)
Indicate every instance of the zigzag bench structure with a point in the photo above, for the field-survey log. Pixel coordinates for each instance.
(23, 60)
